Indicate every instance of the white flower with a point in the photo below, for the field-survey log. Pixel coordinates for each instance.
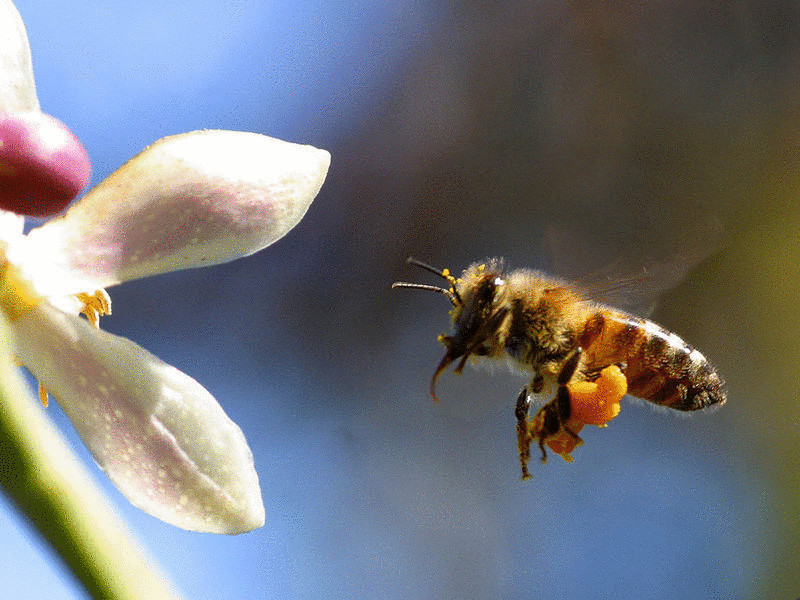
(184, 202)
(189, 200)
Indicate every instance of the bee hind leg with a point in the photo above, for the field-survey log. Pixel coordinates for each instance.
(550, 420)
(595, 373)
(569, 367)
(563, 400)
(524, 437)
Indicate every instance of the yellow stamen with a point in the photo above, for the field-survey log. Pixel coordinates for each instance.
(43, 395)
(95, 305)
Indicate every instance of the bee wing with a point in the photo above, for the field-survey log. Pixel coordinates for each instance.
(637, 276)
(636, 289)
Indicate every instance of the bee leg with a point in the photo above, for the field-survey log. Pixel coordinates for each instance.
(569, 367)
(524, 437)
(563, 400)
(594, 373)
(549, 419)
(522, 412)
(537, 385)
(546, 423)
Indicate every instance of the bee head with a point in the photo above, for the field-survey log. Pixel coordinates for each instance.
(477, 313)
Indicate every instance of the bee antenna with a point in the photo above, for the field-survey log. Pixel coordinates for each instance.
(418, 263)
(433, 288)
(443, 273)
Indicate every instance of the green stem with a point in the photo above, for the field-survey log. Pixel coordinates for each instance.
(40, 473)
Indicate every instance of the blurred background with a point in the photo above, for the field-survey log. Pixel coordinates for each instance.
(560, 136)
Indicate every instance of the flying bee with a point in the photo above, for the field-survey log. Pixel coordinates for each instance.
(591, 353)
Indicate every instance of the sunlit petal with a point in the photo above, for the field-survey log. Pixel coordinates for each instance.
(11, 225)
(17, 88)
(188, 200)
(159, 435)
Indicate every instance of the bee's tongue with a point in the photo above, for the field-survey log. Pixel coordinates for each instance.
(448, 358)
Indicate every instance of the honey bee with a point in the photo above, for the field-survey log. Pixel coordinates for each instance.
(591, 353)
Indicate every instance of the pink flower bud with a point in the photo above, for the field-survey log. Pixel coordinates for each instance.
(43, 166)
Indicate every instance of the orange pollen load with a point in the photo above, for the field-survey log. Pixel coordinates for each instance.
(591, 403)
(562, 442)
(597, 402)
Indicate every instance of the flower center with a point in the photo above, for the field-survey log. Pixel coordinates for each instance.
(18, 298)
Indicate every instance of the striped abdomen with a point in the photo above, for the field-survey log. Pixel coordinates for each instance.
(659, 365)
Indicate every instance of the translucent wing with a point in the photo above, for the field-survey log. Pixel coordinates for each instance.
(640, 272)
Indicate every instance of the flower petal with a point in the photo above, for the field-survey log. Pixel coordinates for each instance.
(158, 434)
(189, 200)
(11, 226)
(17, 88)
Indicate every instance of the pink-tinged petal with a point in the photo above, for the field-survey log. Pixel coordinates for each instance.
(17, 88)
(43, 166)
(189, 200)
(158, 434)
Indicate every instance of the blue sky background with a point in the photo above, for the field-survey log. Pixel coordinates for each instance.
(455, 136)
